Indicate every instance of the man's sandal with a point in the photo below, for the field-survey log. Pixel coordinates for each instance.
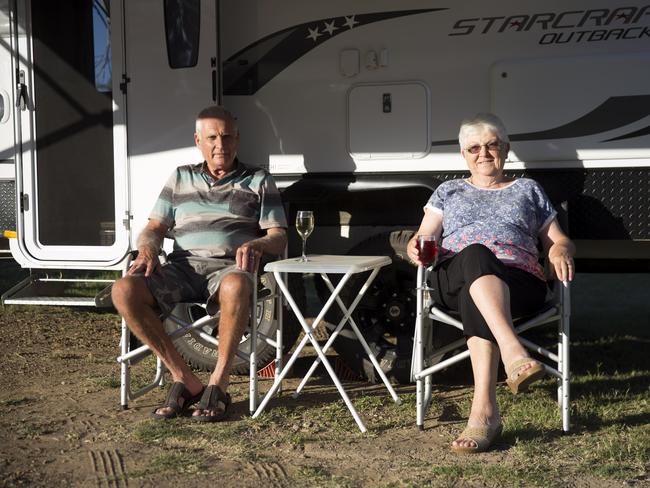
(519, 381)
(483, 437)
(212, 397)
(175, 393)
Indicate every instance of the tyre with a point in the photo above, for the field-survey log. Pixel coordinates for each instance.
(202, 355)
(386, 314)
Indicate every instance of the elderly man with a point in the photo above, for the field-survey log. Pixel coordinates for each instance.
(223, 215)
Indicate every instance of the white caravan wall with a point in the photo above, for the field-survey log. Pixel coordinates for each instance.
(162, 103)
(302, 110)
(554, 91)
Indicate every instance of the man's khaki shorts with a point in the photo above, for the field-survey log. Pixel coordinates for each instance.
(188, 279)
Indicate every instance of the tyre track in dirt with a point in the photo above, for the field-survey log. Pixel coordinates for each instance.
(268, 474)
(108, 467)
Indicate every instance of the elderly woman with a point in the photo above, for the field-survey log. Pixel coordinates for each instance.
(488, 268)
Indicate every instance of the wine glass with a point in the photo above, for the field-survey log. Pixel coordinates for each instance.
(304, 226)
(427, 245)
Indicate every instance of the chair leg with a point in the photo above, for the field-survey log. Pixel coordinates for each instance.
(428, 391)
(419, 399)
(418, 352)
(125, 373)
(566, 386)
(563, 362)
(252, 403)
(426, 350)
(279, 348)
(126, 393)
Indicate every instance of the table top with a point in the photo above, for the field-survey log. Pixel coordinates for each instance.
(327, 263)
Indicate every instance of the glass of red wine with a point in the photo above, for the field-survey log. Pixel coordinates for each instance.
(427, 246)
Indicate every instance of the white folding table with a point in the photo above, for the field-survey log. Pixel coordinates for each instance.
(326, 265)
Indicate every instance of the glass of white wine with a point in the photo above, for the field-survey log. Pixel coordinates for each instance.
(304, 226)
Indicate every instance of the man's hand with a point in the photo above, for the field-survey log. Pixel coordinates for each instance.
(249, 255)
(146, 261)
(149, 242)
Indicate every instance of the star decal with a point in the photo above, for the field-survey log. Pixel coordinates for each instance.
(330, 27)
(349, 21)
(313, 34)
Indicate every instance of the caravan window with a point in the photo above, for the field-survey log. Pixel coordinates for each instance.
(102, 46)
(74, 186)
(182, 27)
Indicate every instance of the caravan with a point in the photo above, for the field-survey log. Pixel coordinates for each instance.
(354, 106)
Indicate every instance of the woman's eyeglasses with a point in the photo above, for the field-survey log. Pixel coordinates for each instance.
(491, 146)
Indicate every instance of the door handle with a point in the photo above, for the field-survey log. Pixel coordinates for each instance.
(213, 65)
(21, 92)
(214, 85)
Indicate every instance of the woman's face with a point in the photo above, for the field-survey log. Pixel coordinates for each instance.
(484, 153)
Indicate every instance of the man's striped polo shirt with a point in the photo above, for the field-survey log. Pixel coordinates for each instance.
(212, 218)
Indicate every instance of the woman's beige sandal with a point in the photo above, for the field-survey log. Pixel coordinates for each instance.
(519, 380)
(483, 437)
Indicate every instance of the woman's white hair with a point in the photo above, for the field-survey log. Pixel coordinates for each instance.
(482, 122)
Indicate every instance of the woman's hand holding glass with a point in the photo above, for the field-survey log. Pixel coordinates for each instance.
(423, 250)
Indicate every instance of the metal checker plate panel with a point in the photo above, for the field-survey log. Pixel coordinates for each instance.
(603, 203)
(7, 205)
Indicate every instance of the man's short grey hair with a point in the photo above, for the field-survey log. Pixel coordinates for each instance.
(215, 112)
(482, 122)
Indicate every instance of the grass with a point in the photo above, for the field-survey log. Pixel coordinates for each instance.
(610, 432)
(319, 476)
(177, 461)
(610, 437)
(180, 462)
(314, 435)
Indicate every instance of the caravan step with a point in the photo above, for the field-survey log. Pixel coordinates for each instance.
(70, 292)
(66, 301)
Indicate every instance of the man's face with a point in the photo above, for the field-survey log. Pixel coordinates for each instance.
(217, 140)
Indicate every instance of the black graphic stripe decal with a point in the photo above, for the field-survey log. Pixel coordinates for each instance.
(250, 69)
(612, 114)
(639, 133)
(615, 112)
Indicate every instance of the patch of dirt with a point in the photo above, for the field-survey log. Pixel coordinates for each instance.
(61, 424)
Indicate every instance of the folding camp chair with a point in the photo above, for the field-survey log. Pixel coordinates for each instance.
(129, 357)
(556, 309)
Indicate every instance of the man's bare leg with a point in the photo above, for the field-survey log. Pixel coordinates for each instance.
(234, 303)
(135, 303)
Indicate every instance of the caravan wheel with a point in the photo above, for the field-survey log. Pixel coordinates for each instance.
(386, 314)
(202, 355)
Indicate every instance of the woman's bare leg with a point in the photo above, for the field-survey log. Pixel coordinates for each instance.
(492, 298)
(484, 356)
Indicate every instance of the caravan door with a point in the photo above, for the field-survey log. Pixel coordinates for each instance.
(172, 73)
(72, 188)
